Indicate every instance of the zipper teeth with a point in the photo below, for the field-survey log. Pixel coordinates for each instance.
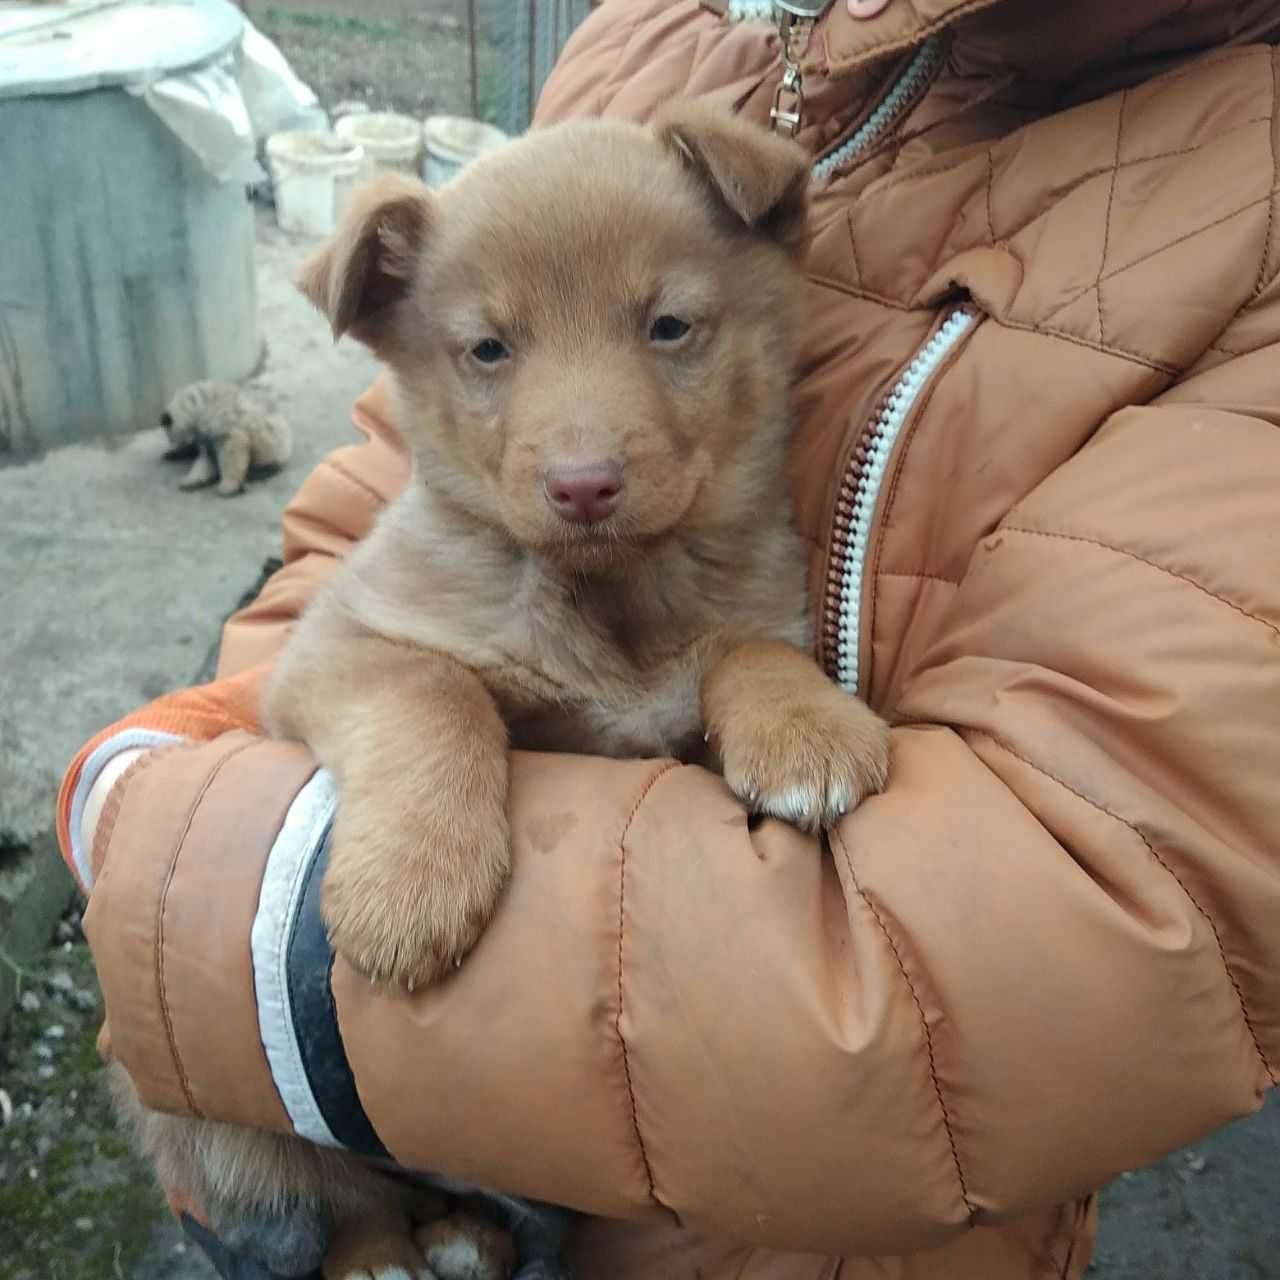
(750, 11)
(913, 79)
(859, 493)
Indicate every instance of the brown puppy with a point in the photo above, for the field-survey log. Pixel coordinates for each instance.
(592, 335)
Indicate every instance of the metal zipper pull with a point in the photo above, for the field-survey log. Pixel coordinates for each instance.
(787, 111)
(795, 20)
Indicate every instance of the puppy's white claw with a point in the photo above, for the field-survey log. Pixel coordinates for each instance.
(839, 802)
(796, 804)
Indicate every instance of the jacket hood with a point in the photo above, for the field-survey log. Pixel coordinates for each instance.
(1098, 41)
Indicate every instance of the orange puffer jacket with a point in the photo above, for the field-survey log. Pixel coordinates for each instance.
(1038, 465)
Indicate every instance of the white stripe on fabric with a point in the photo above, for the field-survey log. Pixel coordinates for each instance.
(283, 881)
(128, 740)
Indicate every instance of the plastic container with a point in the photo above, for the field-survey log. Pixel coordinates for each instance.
(451, 142)
(390, 141)
(312, 176)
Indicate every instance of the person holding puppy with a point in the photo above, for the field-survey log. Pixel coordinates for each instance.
(1036, 463)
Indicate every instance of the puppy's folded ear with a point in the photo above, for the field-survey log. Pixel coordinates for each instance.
(758, 177)
(369, 261)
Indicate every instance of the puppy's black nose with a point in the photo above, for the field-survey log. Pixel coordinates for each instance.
(584, 491)
(166, 420)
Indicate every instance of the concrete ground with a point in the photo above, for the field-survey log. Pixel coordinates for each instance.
(112, 589)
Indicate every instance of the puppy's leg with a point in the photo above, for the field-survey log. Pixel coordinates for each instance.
(793, 744)
(420, 846)
(203, 472)
(271, 441)
(377, 1245)
(233, 462)
(272, 1198)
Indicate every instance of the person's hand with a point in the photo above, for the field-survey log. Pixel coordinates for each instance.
(97, 797)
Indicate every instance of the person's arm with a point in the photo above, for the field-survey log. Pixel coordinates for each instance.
(1046, 954)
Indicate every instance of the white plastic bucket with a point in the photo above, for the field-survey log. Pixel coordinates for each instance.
(312, 175)
(453, 141)
(390, 141)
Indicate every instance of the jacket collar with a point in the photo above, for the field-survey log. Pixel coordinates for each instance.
(1046, 42)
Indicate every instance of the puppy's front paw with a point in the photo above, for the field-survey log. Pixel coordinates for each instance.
(808, 759)
(464, 1248)
(370, 1251)
(408, 892)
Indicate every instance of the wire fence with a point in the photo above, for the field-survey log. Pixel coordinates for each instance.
(484, 58)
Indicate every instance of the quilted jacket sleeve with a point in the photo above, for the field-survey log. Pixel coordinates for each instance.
(1047, 954)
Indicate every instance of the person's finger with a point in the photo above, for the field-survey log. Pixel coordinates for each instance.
(866, 8)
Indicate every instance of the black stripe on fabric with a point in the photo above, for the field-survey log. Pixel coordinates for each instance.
(309, 966)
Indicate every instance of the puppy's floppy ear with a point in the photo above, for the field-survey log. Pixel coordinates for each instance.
(759, 177)
(369, 261)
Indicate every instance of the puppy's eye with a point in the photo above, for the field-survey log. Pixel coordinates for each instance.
(490, 351)
(668, 329)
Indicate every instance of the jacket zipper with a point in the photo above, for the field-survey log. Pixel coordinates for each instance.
(841, 620)
(908, 86)
(858, 495)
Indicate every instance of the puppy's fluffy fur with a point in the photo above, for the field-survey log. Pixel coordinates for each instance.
(596, 295)
(226, 435)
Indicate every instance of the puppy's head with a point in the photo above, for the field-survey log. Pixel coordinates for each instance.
(180, 424)
(591, 330)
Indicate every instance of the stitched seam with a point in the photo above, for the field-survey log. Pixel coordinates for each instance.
(918, 175)
(853, 247)
(892, 304)
(843, 286)
(1165, 866)
(927, 577)
(924, 1021)
(165, 1013)
(617, 1021)
(1220, 348)
(1151, 158)
(1138, 357)
(1152, 564)
(1261, 281)
(1145, 257)
(1111, 197)
(354, 479)
(991, 177)
(114, 804)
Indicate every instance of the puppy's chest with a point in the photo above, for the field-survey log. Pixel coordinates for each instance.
(575, 691)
